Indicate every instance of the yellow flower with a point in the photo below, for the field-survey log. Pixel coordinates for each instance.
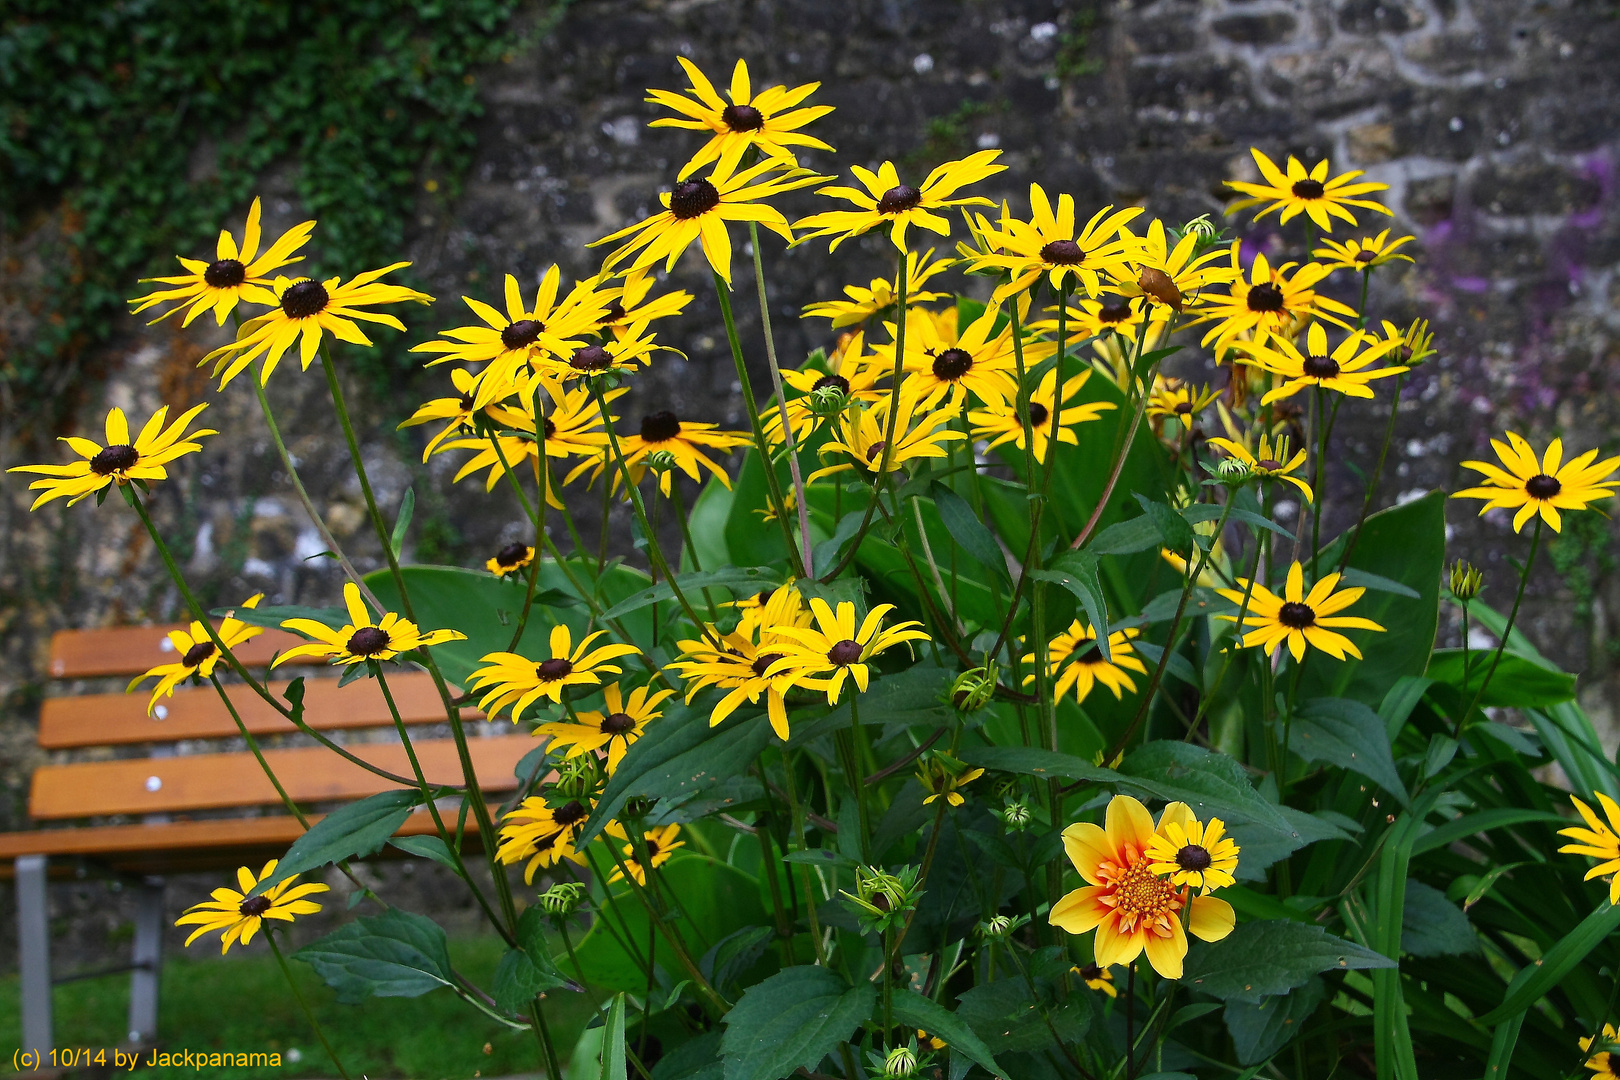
(824, 656)
(661, 844)
(241, 916)
(198, 653)
(1299, 618)
(1003, 425)
(574, 428)
(514, 682)
(1195, 854)
(1075, 653)
(683, 440)
(1543, 487)
(615, 730)
(509, 560)
(1048, 245)
(1344, 369)
(1270, 461)
(1363, 253)
(1132, 909)
(120, 461)
(865, 303)
(1166, 277)
(541, 834)
(630, 308)
(886, 201)
(737, 662)
(305, 311)
(770, 608)
(1177, 399)
(697, 209)
(459, 411)
(1096, 978)
(610, 358)
(767, 121)
(1598, 841)
(944, 777)
(1311, 193)
(1273, 302)
(942, 366)
(852, 376)
(237, 273)
(1087, 318)
(1603, 1063)
(862, 438)
(930, 1043)
(361, 640)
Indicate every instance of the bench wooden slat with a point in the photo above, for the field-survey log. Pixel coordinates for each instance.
(130, 650)
(197, 713)
(213, 781)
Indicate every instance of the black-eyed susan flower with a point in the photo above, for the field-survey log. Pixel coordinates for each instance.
(1178, 399)
(122, 461)
(863, 303)
(1003, 425)
(574, 429)
(1545, 486)
(1297, 618)
(510, 560)
(541, 834)
(616, 356)
(737, 663)
(942, 366)
(768, 608)
(362, 640)
(612, 730)
(944, 777)
(1346, 368)
(631, 307)
(1274, 302)
(240, 916)
(1293, 191)
(684, 440)
(834, 650)
(862, 439)
(1604, 1064)
(1168, 278)
(930, 1043)
(852, 376)
(1413, 344)
(1597, 841)
(1194, 854)
(1270, 461)
(238, 273)
(1049, 245)
(306, 310)
(494, 449)
(198, 653)
(1362, 253)
(457, 412)
(1096, 978)
(1132, 908)
(885, 201)
(512, 683)
(1077, 661)
(1087, 318)
(768, 121)
(698, 208)
(661, 843)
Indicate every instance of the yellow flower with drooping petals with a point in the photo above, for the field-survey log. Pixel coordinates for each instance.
(514, 682)
(1076, 655)
(241, 916)
(1545, 486)
(1004, 425)
(1345, 369)
(1362, 253)
(1294, 191)
(238, 273)
(122, 461)
(1297, 618)
(1274, 302)
(1049, 245)
(542, 834)
(767, 121)
(613, 730)
(834, 650)
(1270, 460)
(880, 296)
(885, 201)
(862, 438)
(198, 653)
(361, 640)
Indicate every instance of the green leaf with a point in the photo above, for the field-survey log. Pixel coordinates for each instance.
(1354, 578)
(613, 1064)
(1350, 735)
(914, 1010)
(1077, 572)
(1519, 683)
(276, 614)
(1008, 1018)
(1033, 761)
(1127, 537)
(426, 847)
(1484, 821)
(1431, 925)
(1259, 959)
(1173, 528)
(1198, 512)
(349, 832)
(1260, 1029)
(1534, 981)
(790, 1021)
(395, 954)
(733, 955)
(697, 1058)
(1213, 784)
(402, 522)
(970, 533)
(518, 979)
(904, 699)
(742, 580)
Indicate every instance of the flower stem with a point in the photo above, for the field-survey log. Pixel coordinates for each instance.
(1507, 631)
(781, 403)
(309, 1013)
(253, 745)
(791, 785)
(1377, 475)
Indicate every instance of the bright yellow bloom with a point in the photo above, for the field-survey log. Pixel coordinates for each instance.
(120, 461)
(614, 730)
(1598, 841)
(824, 656)
(510, 559)
(865, 303)
(852, 376)
(886, 201)
(198, 653)
(697, 209)
(511, 681)
(1543, 487)
(306, 310)
(241, 916)
(1168, 278)
(943, 366)
(1132, 909)
(1177, 399)
(683, 440)
(736, 662)
(767, 609)
(618, 356)
(1363, 253)
(362, 640)
(574, 428)
(1074, 652)
(1048, 245)
(542, 835)
(1603, 1063)
(1311, 193)
(458, 411)
(1087, 318)
(630, 305)
(1297, 618)
(1003, 425)
(1269, 461)
(862, 432)
(661, 844)
(238, 273)
(767, 121)
(1344, 369)
(1196, 854)
(1275, 301)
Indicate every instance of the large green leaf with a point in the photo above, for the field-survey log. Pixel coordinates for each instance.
(1213, 784)
(1536, 979)
(1260, 1029)
(395, 954)
(1259, 959)
(1010, 1019)
(912, 1009)
(1431, 925)
(790, 1021)
(1350, 735)
(1519, 683)
(352, 831)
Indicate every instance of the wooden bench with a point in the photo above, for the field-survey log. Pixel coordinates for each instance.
(168, 783)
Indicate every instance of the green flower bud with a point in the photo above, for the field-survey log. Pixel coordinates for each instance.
(1466, 580)
(901, 1062)
(562, 899)
(1017, 817)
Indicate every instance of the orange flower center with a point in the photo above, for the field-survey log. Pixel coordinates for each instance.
(1141, 898)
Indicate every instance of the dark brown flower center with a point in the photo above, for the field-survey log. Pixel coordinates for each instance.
(224, 274)
(549, 428)
(1366, 255)
(1320, 367)
(763, 662)
(742, 117)
(875, 451)
(198, 653)
(1038, 414)
(899, 199)
(618, 723)
(591, 358)
(114, 459)
(1194, 857)
(881, 902)
(512, 554)
(1091, 973)
(690, 198)
(1087, 652)
(1184, 407)
(652, 848)
(1063, 253)
(254, 906)
(831, 380)
(1113, 313)
(304, 298)
(1295, 615)
(1268, 464)
(465, 403)
(558, 667)
(660, 426)
(1542, 486)
(1266, 296)
(521, 333)
(952, 364)
(367, 641)
(614, 312)
(569, 813)
(845, 652)
(1308, 188)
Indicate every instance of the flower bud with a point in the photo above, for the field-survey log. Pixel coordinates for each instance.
(660, 461)
(1466, 580)
(1017, 817)
(996, 928)
(901, 1062)
(973, 689)
(562, 899)
(578, 777)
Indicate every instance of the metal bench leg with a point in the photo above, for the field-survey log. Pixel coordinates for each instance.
(34, 944)
(148, 961)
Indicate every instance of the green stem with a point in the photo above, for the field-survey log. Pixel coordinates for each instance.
(281, 961)
(679, 506)
(781, 404)
(1377, 475)
(253, 745)
(790, 783)
(553, 1065)
(1507, 631)
(1130, 436)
